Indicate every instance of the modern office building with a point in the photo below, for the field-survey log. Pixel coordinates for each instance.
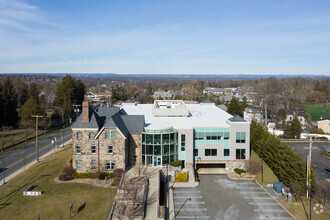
(202, 135)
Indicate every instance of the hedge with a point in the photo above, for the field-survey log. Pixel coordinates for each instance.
(287, 165)
(181, 177)
(176, 163)
(239, 171)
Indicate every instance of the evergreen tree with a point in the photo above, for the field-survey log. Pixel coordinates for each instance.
(69, 92)
(9, 104)
(244, 104)
(293, 129)
(34, 92)
(280, 118)
(234, 107)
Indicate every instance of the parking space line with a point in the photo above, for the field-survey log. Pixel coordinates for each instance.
(276, 217)
(269, 210)
(190, 196)
(253, 192)
(263, 204)
(190, 202)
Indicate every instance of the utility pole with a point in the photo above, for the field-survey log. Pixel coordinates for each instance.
(37, 146)
(76, 107)
(309, 178)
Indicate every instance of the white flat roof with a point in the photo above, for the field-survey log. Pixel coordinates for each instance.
(200, 116)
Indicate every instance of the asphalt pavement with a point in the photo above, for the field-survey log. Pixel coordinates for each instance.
(320, 164)
(220, 198)
(21, 157)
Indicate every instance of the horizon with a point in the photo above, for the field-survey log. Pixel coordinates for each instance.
(165, 38)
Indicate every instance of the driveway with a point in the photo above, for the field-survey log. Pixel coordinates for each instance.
(219, 197)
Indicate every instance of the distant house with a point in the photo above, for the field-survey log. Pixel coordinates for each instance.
(324, 124)
(301, 116)
(161, 94)
(254, 113)
(98, 97)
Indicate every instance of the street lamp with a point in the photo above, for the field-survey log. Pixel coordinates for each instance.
(262, 169)
(2, 161)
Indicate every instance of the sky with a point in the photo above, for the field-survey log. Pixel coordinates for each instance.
(165, 36)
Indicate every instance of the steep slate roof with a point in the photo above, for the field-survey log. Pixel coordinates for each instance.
(134, 123)
(95, 121)
(237, 118)
(112, 117)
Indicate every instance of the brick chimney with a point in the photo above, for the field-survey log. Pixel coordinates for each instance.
(85, 112)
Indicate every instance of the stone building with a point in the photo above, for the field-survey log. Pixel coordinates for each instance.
(201, 135)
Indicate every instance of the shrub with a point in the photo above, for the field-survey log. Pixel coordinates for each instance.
(68, 171)
(110, 175)
(239, 171)
(102, 175)
(82, 175)
(176, 163)
(118, 173)
(64, 177)
(181, 177)
(115, 181)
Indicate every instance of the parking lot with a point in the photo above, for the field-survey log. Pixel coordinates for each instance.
(320, 164)
(219, 197)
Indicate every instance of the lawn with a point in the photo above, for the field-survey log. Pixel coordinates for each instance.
(317, 111)
(89, 202)
(297, 209)
(269, 176)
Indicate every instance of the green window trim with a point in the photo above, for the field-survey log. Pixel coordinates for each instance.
(93, 164)
(240, 137)
(107, 134)
(93, 149)
(79, 135)
(78, 164)
(113, 134)
(91, 135)
(78, 149)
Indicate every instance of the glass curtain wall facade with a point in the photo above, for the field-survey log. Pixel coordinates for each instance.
(159, 147)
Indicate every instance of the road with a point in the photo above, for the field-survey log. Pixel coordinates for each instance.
(19, 158)
(320, 164)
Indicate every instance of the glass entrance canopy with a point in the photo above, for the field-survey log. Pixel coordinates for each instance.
(159, 147)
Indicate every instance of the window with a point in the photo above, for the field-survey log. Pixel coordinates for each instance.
(240, 137)
(195, 152)
(93, 164)
(78, 149)
(211, 152)
(107, 134)
(91, 135)
(226, 135)
(226, 152)
(113, 134)
(93, 149)
(78, 164)
(78, 135)
(183, 142)
(110, 165)
(240, 154)
(110, 150)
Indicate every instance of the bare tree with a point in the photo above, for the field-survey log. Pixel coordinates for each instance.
(323, 192)
(253, 167)
(140, 170)
(296, 190)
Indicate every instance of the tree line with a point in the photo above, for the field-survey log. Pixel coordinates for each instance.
(20, 101)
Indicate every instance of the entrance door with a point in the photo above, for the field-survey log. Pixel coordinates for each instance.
(149, 161)
(157, 161)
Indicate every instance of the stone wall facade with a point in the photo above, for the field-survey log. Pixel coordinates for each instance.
(135, 146)
(101, 155)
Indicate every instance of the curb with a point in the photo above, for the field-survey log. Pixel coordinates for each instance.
(276, 201)
(27, 166)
